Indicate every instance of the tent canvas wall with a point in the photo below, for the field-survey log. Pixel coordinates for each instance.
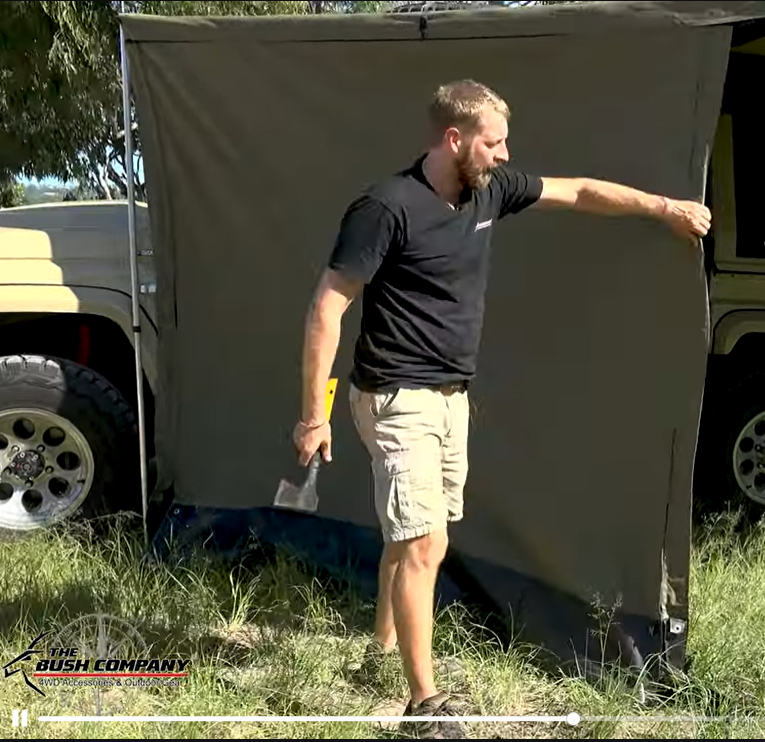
(258, 132)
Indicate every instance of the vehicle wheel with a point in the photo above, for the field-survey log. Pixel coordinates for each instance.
(732, 455)
(68, 444)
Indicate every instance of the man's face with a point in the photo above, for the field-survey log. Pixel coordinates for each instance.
(480, 152)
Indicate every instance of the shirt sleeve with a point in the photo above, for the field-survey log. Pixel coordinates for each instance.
(512, 191)
(368, 230)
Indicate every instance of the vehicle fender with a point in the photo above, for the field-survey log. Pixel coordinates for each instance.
(109, 303)
(735, 325)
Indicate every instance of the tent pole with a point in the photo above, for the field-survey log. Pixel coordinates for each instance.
(134, 276)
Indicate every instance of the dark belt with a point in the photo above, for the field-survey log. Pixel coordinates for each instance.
(453, 388)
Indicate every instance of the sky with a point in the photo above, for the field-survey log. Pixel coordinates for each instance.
(56, 183)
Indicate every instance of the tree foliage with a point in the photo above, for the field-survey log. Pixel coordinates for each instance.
(52, 99)
(11, 194)
(60, 84)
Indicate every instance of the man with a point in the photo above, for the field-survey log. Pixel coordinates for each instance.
(418, 244)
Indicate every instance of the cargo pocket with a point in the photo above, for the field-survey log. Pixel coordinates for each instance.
(392, 491)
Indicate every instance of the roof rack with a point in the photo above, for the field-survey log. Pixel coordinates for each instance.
(437, 5)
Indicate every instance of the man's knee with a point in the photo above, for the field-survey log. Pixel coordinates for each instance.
(422, 553)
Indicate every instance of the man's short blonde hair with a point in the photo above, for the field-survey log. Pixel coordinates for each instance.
(460, 104)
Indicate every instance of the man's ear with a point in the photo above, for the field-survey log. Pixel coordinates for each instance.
(453, 138)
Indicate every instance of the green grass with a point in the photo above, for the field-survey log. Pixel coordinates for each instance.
(268, 638)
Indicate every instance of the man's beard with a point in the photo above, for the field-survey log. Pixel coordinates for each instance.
(470, 175)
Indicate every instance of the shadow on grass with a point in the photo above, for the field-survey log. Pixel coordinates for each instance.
(285, 598)
(255, 614)
(40, 602)
(732, 525)
(38, 609)
(728, 514)
(251, 603)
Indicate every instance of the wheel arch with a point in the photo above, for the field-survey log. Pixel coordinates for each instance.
(87, 325)
(110, 304)
(738, 331)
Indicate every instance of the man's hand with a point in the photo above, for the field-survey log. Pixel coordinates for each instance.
(687, 218)
(310, 439)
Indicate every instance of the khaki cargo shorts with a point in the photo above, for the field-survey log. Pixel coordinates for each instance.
(417, 441)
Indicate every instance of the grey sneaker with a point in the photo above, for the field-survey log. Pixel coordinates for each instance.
(438, 705)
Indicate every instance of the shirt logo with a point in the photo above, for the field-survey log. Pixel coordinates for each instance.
(482, 225)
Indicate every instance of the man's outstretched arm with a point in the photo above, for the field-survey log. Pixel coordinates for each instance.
(688, 218)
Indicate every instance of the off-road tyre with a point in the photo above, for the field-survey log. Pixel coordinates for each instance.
(735, 398)
(92, 406)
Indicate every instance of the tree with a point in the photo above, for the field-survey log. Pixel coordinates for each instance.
(60, 84)
(11, 194)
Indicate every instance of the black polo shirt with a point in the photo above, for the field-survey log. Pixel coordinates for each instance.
(425, 266)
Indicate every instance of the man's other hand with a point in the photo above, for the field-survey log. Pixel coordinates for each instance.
(688, 218)
(308, 440)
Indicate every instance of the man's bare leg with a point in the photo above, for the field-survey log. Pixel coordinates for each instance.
(413, 589)
(385, 627)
